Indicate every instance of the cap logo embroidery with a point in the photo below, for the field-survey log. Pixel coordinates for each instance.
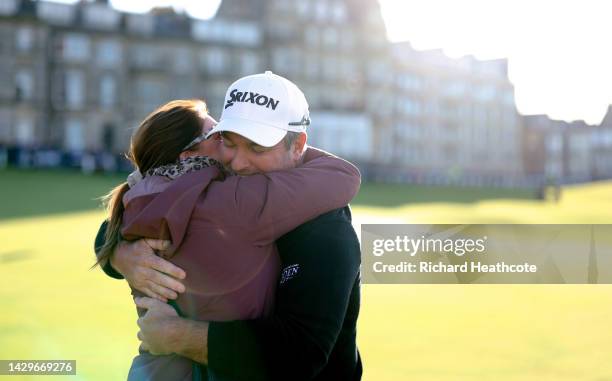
(249, 96)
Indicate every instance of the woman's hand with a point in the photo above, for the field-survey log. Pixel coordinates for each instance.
(145, 271)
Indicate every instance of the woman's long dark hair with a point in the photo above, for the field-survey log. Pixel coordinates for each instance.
(159, 140)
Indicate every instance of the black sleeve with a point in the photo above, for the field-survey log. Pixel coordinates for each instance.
(98, 243)
(311, 305)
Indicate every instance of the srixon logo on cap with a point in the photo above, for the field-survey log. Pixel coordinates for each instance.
(249, 96)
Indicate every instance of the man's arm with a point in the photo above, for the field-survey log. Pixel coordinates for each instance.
(298, 338)
(310, 309)
(163, 332)
(137, 263)
(268, 205)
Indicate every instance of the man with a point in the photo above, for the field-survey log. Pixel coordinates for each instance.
(311, 334)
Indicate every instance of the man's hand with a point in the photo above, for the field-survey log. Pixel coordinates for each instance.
(157, 326)
(163, 332)
(145, 271)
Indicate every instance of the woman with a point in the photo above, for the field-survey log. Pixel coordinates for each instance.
(222, 230)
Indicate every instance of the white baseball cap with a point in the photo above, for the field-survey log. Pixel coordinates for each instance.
(262, 108)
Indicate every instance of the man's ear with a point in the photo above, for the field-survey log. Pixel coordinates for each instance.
(299, 145)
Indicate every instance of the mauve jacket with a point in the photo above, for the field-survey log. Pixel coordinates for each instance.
(222, 234)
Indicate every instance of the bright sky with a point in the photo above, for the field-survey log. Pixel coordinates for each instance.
(560, 59)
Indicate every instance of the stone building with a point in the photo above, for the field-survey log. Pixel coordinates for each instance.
(81, 76)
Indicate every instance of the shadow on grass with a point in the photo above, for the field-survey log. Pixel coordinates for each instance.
(15, 256)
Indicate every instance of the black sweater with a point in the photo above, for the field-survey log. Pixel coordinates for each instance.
(311, 334)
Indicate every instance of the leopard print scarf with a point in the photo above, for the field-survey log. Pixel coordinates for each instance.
(174, 170)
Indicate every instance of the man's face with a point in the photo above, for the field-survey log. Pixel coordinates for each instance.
(245, 157)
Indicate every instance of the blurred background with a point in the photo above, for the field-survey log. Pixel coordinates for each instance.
(455, 112)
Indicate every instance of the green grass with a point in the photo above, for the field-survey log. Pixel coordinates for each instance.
(394, 195)
(55, 308)
(36, 192)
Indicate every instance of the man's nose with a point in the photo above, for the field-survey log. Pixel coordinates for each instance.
(239, 163)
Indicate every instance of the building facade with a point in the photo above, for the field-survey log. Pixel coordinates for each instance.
(564, 152)
(602, 148)
(82, 76)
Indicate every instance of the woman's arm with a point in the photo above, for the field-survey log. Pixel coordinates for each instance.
(266, 206)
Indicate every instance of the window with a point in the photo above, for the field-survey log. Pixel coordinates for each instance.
(303, 7)
(455, 89)
(282, 5)
(339, 12)
(311, 66)
(8, 7)
(249, 63)
(348, 39)
(282, 31)
(24, 132)
(140, 23)
(109, 53)
(379, 72)
(108, 91)
(214, 95)
(55, 13)
(312, 95)
(330, 37)
(409, 82)
(24, 83)
(147, 56)
(235, 33)
(100, 16)
(330, 68)
(75, 89)
(480, 115)
(321, 10)
(76, 47)
(408, 106)
(378, 103)
(216, 60)
(311, 36)
(183, 60)
(286, 60)
(510, 117)
(485, 93)
(150, 93)
(73, 136)
(24, 39)
(432, 106)
(349, 68)
(246, 34)
(509, 97)
(554, 143)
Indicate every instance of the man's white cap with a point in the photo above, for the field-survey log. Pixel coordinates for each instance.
(262, 108)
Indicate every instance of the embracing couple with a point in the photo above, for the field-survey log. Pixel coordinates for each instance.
(237, 243)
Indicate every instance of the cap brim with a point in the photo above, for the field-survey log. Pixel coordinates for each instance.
(263, 134)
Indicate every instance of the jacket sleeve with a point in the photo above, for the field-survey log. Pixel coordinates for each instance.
(299, 336)
(98, 243)
(266, 206)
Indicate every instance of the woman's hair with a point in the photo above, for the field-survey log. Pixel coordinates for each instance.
(159, 140)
